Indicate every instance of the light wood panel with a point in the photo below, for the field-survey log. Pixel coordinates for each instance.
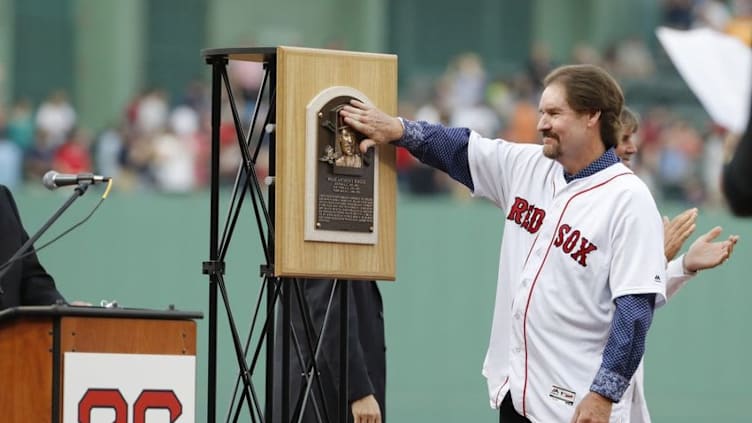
(302, 74)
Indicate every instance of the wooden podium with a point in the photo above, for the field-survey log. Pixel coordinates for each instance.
(34, 342)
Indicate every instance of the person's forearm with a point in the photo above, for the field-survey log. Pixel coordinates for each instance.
(360, 384)
(439, 147)
(625, 345)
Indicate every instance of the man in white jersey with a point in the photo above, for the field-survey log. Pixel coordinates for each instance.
(704, 253)
(581, 265)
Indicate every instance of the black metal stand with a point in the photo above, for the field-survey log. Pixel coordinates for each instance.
(277, 292)
(77, 192)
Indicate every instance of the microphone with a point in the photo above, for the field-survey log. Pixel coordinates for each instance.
(53, 180)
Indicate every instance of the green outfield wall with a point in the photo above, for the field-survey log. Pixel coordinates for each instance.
(145, 250)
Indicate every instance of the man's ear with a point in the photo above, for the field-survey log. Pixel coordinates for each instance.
(593, 117)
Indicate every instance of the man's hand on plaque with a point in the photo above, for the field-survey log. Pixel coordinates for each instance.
(377, 126)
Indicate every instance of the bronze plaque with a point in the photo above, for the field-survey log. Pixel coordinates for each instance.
(344, 175)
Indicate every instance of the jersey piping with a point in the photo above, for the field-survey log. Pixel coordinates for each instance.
(535, 281)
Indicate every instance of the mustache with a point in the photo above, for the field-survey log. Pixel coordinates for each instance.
(549, 134)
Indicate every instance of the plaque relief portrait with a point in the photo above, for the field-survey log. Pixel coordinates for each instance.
(342, 205)
(342, 151)
(349, 150)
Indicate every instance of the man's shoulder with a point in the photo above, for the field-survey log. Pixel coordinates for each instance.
(5, 192)
(629, 192)
(511, 150)
(625, 179)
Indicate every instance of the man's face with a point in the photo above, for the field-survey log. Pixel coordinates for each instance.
(348, 143)
(564, 131)
(627, 146)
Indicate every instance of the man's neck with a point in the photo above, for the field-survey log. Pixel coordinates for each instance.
(584, 159)
(605, 160)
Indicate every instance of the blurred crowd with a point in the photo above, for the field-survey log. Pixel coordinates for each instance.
(681, 151)
(157, 143)
(163, 144)
(152, 145)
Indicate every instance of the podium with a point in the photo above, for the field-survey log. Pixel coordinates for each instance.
(65, 363)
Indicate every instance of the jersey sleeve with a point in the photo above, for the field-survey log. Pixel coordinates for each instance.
(497, 165)
(638, 264)
(676, 278)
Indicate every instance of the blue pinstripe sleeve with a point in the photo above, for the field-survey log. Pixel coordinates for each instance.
(625, 345)
(439, 147)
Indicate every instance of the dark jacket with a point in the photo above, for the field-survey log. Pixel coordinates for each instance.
(737, 175)
(367, 349)
(26, 282)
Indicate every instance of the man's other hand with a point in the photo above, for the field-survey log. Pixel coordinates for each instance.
(366, 410)
(594, 408)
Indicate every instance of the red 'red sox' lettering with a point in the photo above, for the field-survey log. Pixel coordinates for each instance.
(567, 239)
(526, 215)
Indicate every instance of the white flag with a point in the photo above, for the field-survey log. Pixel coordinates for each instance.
(718, 69)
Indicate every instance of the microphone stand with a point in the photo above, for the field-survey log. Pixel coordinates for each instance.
(77, 192)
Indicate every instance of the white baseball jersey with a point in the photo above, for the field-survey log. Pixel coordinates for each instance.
(568, 250)
(676, 280)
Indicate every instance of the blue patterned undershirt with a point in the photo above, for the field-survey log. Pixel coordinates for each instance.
(446, 149)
